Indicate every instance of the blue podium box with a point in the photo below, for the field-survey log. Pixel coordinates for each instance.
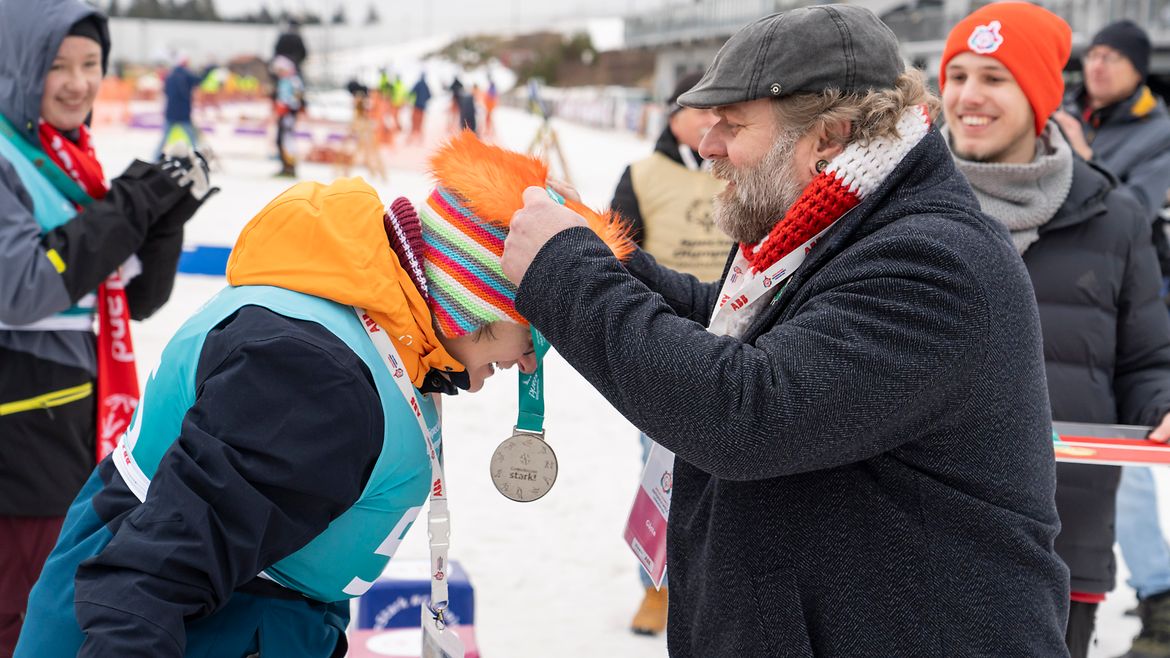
(204, 259)
(396, 599)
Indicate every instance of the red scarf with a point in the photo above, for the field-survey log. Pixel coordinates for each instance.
(848, 179)
(823, 202)
(117, 379)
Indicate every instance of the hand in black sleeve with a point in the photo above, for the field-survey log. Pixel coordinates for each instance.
(284, 432)
(103, 235)
(163, 246)
(159, 255)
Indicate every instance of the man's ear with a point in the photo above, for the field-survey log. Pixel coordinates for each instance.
(831, 138)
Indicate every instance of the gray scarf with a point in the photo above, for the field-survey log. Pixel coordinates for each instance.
(1023, 197)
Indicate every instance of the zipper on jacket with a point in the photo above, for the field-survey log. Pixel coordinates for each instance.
(48, 400)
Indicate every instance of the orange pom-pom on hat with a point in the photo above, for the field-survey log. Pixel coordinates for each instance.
(1032, 42)
(465, 221)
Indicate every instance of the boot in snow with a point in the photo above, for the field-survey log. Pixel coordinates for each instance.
(1154, 640)
(651, 616)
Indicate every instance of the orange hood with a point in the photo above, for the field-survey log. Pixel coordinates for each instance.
(329, 241)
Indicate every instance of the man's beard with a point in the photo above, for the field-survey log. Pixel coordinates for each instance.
(760, 195)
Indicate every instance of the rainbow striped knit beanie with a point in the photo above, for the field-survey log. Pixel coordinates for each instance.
(467, 286)
(465, 221)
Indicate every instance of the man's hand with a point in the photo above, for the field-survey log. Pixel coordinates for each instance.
(1074, 132)
(533, 226)
(564, 189)
(1161, 433)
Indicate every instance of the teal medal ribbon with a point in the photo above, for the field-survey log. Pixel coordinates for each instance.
(523, 468)
(556, 196)
(531, 391)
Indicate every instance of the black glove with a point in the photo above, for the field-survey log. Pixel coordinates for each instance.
(106, 232)
(188, 168)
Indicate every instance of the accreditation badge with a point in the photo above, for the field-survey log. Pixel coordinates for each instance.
(646, 528)
(524, 467)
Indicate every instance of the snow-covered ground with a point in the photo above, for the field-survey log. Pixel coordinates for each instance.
(552, 577)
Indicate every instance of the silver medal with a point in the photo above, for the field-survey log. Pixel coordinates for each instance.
(524, 467)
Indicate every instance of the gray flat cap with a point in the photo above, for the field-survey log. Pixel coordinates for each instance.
(803, 50)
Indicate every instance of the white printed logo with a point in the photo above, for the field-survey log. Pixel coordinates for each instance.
(985, 39)
(118, 408)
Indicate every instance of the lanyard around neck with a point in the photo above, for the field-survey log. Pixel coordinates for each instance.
(742, 287)
(45, 165)
(438, 518)
(531, 387)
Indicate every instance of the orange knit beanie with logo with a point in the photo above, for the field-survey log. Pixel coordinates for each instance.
(1032, 42)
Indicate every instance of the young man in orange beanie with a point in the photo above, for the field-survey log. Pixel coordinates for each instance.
(1087, 248)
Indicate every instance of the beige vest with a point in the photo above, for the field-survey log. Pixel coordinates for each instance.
(676, 207)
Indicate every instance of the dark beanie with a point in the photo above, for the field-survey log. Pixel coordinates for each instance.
(1128, 39)
(684, 85)
(88, 28)
(93, 27)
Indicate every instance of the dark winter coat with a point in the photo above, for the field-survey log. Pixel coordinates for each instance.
(422, 93)
(255, 358)
(48, 453)
(291, 45)
(179, 86)
(1106, 350)
(466, 103)
(869, 471)
(1131, 139)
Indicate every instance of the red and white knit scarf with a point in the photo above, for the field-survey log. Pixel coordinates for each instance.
(117, 378)
(848, 179)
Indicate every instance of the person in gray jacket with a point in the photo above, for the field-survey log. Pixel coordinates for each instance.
(864, 462)
(62, 234)
(1114, 118)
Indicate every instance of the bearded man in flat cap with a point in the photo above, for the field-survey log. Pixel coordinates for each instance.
(858, 409)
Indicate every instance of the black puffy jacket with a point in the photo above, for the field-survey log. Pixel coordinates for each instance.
(1106, 349)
